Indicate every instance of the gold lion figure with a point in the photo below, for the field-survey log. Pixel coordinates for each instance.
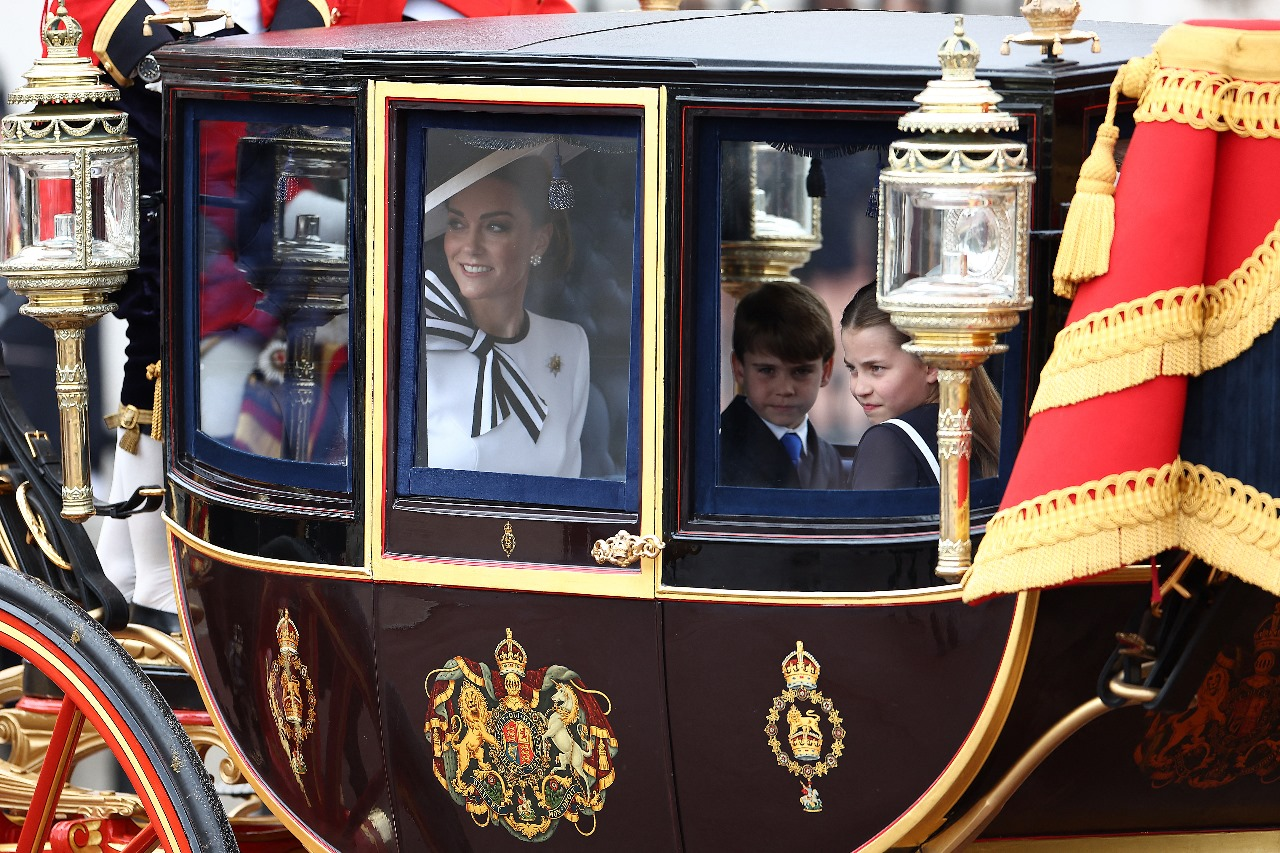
(475, 714)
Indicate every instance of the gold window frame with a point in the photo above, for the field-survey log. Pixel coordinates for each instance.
(638, 581)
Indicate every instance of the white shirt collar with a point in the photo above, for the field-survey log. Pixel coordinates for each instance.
(802, 431)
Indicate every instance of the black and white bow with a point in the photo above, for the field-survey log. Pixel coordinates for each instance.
(501, 387)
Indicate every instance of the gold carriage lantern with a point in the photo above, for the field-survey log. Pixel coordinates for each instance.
(308, 274)
(770, 224)
(70, 221)
(954, 221)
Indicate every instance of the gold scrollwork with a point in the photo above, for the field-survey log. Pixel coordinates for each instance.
(36, 530)
(623, 548)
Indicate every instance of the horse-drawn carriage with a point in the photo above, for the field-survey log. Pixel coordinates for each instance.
(406, 647)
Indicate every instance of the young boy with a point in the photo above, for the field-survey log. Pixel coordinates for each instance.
(783, 350)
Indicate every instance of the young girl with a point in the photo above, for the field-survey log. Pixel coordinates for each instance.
(899, 394)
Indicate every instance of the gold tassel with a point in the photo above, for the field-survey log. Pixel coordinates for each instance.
(1085, 251)
(153, 372)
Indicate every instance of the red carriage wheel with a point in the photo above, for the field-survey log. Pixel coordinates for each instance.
(103, 688)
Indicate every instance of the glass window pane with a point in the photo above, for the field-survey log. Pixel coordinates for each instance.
(274, 286)
(795, 240)
(111, 198)
(526, 275)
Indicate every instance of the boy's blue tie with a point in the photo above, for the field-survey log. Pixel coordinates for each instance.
(794, 447)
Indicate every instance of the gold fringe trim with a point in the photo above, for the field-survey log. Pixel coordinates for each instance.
(1076, 533)
(1244, 306)
(1211, 101)
(1183, 331)
(1123, 346)
(1079, 532)
(1217, 97)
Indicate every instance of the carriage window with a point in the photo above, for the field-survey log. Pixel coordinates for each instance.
(820, 414)
(520, 266)
(273, 286)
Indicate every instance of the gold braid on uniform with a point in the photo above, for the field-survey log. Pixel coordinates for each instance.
(130, 418)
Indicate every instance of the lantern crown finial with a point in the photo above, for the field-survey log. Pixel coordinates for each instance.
(63, 76)
(62, 33)
(959, 102)
(959, 54)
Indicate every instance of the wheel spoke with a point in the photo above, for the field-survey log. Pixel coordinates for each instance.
(145, 841)
(54, 774)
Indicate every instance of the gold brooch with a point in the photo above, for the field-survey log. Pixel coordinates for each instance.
(554, 365)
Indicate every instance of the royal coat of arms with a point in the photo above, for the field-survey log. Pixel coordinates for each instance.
(535, 748)
(1232, 730)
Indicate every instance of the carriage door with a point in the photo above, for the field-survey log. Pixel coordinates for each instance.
(808, 644)
(512, 350)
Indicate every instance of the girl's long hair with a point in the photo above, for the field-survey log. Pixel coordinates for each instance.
(862, 312)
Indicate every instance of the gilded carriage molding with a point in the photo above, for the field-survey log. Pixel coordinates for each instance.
(650, 105)
(178, 534)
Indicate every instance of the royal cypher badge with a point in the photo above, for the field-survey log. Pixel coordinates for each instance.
(802, 756)
(535, 749)
(291, 696)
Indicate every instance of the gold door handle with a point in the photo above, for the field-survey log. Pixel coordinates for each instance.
(623, 548)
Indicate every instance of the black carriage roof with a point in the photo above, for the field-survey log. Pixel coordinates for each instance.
(892, 42)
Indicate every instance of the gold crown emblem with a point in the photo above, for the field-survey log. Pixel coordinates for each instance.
(1267, 637)
(510, 656)
(800, 669)
(959, 54)
(287, 634)
(805, 737)
(1056, 17)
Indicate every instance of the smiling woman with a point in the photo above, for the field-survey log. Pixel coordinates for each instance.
(506, 388)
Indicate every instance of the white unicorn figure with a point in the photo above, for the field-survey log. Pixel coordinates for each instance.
(563, 714)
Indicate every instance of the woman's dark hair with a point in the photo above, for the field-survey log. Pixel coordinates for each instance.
(863, 312)
(531, 177)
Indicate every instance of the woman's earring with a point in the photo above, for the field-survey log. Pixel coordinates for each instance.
(535, 260)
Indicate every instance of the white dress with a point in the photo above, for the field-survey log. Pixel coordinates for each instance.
(554, 358)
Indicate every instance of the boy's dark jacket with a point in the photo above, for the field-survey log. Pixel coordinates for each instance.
(751, 455)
